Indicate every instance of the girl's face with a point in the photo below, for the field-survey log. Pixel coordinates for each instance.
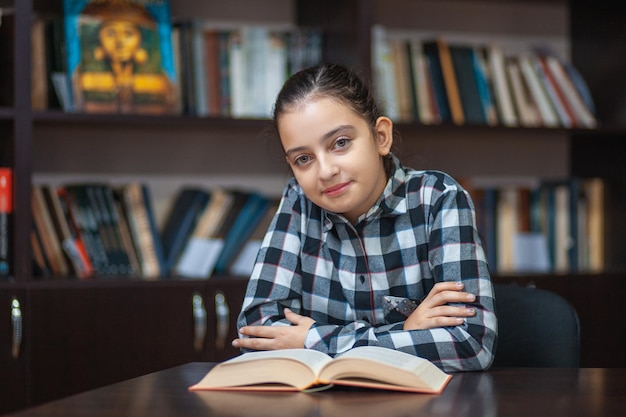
(334, 156)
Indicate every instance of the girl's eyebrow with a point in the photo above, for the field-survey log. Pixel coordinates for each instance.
(322, 139)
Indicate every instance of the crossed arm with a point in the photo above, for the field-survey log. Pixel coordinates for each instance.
(433, 312)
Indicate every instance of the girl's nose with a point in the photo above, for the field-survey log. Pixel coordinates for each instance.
(327, 167)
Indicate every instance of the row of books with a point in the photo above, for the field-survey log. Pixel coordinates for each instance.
(238, 70)
(541, 225)
(431, 81)
(195, 66)
(87, 230)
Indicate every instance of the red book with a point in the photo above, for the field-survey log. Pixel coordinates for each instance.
(6, 210)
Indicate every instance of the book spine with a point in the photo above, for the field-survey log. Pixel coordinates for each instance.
(382, 64)
(464, 69)
(450, 82)
(50, 242)
(501, 84)
(443, 107)
(563, 111)
(6, 217)
(544, 105)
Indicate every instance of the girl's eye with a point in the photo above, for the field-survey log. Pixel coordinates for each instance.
(341, 143)
(302, 160)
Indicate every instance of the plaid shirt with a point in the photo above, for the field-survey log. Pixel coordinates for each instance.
(360, 282)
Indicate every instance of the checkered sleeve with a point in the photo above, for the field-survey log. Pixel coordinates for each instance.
(456, 254)
(275, 282)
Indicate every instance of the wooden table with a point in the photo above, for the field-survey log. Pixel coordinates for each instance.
(524, 392)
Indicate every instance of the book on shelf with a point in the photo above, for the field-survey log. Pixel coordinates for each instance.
(242, 227)
(583, 116)
(108, 218)
(47, 235)
(182, 47)
(179, 104)
(484, 82)
(301, 369)
(137, 216)
(218, 240)
(402, 76)
(423, 89)
(47, 53)
(525, 104)
(138, 78)
(203, 246)
(243, 264)
(212, 65)
(438, 50)
(503, 96)
(180, 222)
(41, 267)
(431, 51)
(563, 110)
(465, 69)
(126, 237)
(594, 191)
(75, 255)
(532, 224)
(6, 221)
(93, 208)
(236, 69)
(39, 76)
(383, 72)
(79, 208)
(545, 107)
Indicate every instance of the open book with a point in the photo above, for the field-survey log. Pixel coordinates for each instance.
(302, 369)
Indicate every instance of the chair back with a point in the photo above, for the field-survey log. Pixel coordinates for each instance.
(536, 328)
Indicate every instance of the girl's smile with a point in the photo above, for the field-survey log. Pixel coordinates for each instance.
(336, 190)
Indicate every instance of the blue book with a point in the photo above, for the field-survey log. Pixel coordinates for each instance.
(463, 62)
(250, 214)
(156, 241)
(431, 51)
(180, 222)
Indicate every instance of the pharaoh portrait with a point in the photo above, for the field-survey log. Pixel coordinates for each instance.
(121, 65)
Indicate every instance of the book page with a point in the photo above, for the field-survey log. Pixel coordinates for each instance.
(274, 370)
(377, 367)
(312, 358)
(389, 357)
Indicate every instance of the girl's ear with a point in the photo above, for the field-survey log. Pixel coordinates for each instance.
(384, 135)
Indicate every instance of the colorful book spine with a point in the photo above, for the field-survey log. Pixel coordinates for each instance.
(6, 213)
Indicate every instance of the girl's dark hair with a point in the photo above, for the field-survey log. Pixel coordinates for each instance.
(337, 82)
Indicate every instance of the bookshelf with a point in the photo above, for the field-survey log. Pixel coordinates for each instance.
(52, 145)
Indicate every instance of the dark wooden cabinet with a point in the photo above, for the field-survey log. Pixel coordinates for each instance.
(79, 335)
(85, 335)
(14, 344)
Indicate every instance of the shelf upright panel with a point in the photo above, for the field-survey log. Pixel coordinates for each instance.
(22, 167)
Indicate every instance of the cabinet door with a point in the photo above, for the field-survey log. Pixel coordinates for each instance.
(13, 357)
(224, 300)
(86, 336)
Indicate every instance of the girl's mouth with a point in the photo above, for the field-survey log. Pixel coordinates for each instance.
(335, 190)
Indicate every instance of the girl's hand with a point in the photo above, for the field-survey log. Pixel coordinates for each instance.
(435, 311)
(276, 337)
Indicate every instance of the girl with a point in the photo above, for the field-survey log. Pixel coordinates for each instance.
(363, 251)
